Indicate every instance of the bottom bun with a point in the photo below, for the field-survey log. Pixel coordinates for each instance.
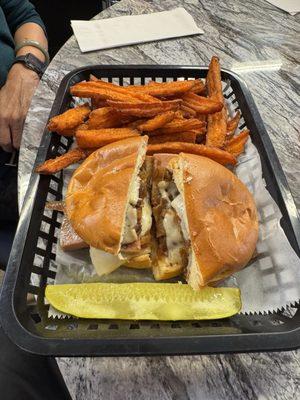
(162, 269)
(139, 262)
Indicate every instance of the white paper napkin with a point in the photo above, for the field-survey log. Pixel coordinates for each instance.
(123, 31)
(290, 6)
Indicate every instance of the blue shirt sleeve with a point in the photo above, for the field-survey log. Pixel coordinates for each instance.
(19, 12)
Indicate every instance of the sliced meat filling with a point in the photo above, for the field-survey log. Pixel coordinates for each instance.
(171, 241)
(138, 219)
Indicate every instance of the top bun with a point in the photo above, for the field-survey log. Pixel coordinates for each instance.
(98, 192)
(220, 215)
(163, 159)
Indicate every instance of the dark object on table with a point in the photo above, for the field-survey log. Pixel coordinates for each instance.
(27, 376)
(57, 14)
(29, 325)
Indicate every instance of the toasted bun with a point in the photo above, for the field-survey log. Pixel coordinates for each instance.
(163, 269)
(221, 217)
(139, 262)
(98, 192)
(162, 159)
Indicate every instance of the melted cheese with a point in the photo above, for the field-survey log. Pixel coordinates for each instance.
(135, 189)
(178, 206)
(130, 223)
(129, 234)
(103, 262)
(162, 187)
(146, 221)
(174, 237)
(167, 190)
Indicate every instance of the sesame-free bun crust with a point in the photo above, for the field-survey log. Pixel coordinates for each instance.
(221, 216)
(162, 159)
(97, 194)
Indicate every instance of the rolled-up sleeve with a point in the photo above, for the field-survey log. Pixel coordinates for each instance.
(19, 12)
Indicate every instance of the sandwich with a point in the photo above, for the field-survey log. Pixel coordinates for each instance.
(181, 215)
(169, 253)
(108, 205)
(205, 219)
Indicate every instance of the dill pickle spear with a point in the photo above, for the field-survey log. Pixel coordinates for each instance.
(150, 301)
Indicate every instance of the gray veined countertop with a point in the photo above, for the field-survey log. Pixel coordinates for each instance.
(236, 31)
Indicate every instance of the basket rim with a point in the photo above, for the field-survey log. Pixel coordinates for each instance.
(204, 344)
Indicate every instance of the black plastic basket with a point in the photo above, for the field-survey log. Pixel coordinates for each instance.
(28, 324)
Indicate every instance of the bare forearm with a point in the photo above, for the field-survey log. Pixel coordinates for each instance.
(31, 31)
(16, 94)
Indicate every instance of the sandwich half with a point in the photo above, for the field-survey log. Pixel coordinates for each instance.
(206, 220)
(170, 249)
(107, 204)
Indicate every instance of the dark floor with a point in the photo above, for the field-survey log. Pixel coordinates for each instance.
(57, 14)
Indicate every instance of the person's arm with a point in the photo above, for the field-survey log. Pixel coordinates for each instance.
(16, 94)
(31, 31)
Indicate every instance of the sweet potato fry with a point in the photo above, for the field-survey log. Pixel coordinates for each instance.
(97, 103)
(66, 123)
(57, 164)
(187, 111)
(152, 83)
(96, 138)
(199, 87)
(91, 90)
(104, 117)
(217, 122)
(216, 125)
(165, 89)
(55, 205)
(143, 97)
(232, 124)
(236, 145)
(179, 114)
(82, 127)
(144, 109)
(134, 124)
(218, 155)
(202, 117)
(93, 78)
(200, 104)
(179, 125)
(188, 137)
(109, 91)
(157, 122)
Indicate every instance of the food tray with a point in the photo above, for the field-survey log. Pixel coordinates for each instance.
(28, 324)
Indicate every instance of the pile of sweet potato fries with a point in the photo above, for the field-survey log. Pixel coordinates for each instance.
(181, 116)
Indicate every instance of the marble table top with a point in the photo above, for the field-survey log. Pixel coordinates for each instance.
(236, 31)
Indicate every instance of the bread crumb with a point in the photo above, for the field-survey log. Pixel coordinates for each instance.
(188, 179)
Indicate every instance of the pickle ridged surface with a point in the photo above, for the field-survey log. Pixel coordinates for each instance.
(144, 301)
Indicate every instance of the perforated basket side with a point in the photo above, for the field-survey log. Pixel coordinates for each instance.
(34, 266)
